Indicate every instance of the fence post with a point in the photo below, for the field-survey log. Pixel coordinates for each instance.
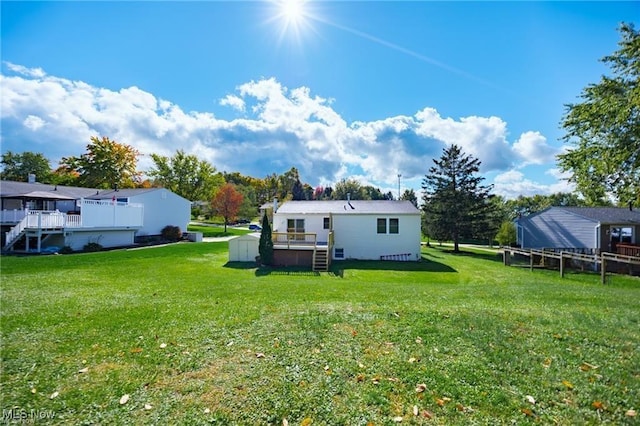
(506, 257)
(531, 260)
(603, 269)
(561, 264)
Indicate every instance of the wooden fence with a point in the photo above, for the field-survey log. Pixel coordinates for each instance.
(541, 258)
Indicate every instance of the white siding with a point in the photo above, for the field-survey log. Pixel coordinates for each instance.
(162, 208)
(105, 237)
(357, 235)
(244, 248)
(313, 223)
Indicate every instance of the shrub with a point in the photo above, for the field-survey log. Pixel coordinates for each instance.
(507, 234)
(91, 247)
(66, 250)
(171, 233)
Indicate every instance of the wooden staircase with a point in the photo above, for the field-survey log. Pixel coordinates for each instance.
(321, 259)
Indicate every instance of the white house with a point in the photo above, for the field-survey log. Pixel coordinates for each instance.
(35, 216)
(315, 232)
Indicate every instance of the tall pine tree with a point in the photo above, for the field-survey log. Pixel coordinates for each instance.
(455, 203)
(265, 246)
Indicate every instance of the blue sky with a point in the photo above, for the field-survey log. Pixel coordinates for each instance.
(342, 89)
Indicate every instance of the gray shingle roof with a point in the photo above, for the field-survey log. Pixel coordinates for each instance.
(606, 215)
(343, 207)
(9, 189)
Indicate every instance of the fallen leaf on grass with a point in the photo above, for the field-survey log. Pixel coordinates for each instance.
(598, 405)
(259, 355)
(33, 390)
(421, 388)
(419, 340)
(306, 422)
(83, 370)
(148, 406)
(397, 419)
(527, 412)
(285, 422)
(547, 363)
(412, 360)
(427, 414)
(630, 413)
(586, 366)
(207, 411)
(136, 350)
(442, 401)
(415, 410)
(360, 378)
(163, 345)
(530, 399)
(54, 395)
(124, 399)
(567, 384)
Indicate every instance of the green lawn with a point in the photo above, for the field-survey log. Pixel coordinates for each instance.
(462, 339)
(216, 230)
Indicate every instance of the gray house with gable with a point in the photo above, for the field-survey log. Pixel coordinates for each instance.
(587, 229)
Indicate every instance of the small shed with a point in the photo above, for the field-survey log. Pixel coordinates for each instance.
(244, 248)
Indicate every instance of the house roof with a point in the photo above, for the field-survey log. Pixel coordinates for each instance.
(11, 189)
(602, 215)
(609, 215)
(348, 207)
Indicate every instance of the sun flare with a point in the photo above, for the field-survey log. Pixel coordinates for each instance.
(292, 10)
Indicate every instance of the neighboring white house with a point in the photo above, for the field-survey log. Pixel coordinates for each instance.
(35, 216)
(244, 248)
(345, 229)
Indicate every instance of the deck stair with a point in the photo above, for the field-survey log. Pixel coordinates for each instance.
(321, 259)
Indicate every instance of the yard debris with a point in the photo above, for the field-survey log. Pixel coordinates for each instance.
(412, 360)
(163, 345)
(598, 405)
(419, 340)
(259, 355)
(148, 406)
(630, 413)
(136, 350)
(306, 421)
(398, 419)
(83, 370)
(33, 390)
(415, 410)
(54, 395)
(230, 343)
(530, 399)
(285, 422)
(567, 384)
(421, 388)
(124, 399)
(585, 366)
(207, 411)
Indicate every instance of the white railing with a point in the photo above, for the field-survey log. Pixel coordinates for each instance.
(94, 214)
(12, 216)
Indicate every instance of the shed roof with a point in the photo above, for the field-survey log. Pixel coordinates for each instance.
(348, 207)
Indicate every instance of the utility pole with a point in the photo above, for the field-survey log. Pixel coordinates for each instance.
(399, 176)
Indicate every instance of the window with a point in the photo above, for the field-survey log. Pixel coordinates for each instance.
(382, 226)
(295, 225)
(326, 223)
(339, 253)
(394, 226)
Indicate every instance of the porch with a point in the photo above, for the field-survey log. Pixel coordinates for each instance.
(302, 249)
(40, 225)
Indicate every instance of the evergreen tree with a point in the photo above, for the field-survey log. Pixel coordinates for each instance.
(265, 246)
(455, 203)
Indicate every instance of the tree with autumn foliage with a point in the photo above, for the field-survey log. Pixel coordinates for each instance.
(106, 164)
(227, 203)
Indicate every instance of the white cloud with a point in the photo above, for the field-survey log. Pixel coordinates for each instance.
(513, 183)
(533, 148)
(33, 122)
(280, 128)
(233, 101)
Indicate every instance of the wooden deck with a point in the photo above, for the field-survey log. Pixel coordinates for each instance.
(320, 258)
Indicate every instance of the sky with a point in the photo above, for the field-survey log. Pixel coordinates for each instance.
(338, 89)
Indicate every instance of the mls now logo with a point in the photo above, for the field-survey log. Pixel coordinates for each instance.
(22, 415)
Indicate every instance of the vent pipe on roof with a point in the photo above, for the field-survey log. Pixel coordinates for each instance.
(275, 204)
(348, 196)
(630, 206)
(31, 178)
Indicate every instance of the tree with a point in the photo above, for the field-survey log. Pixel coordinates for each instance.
(454, 200)
(265, 246)
(507, 234)
(17, 167)
(348, 186)
(604, 129)
(226, 203)
(106, 164)
(186, 175)
(410, 195)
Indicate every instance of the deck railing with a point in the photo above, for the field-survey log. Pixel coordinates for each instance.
(294, 238)
(628, 249)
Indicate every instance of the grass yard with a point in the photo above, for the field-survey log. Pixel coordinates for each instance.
(216, 230)
(173, 335)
